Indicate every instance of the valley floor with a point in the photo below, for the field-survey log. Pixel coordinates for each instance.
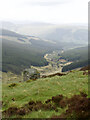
(55, 63)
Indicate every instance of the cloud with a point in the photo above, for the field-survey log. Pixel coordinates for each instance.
(45, 2)
(52, 11)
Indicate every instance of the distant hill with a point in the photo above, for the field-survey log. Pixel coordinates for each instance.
(77, 35)
(16, 37)
(74, 33)
(5, 32)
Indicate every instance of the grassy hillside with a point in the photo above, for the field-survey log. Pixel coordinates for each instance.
(75, 65)
(76, 54)
(20, 95)
(16, 57)
(79, 57)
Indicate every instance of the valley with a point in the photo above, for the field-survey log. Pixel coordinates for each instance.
(62, 86)
(55, 63)
(19, 51)
(44, 60)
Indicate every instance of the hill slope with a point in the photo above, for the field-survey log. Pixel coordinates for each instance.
(22, 95)
(69, 34)
(78, 56)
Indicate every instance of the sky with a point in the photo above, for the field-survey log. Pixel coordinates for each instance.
(48, 11)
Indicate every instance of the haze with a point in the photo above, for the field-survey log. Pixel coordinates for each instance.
(48, 11)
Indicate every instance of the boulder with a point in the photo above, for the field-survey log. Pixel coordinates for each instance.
(30, 73)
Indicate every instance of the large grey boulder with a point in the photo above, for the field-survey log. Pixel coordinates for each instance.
(30, 74)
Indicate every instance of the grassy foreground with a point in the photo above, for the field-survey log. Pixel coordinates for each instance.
(19, 94)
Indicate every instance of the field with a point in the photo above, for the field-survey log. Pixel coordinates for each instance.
(18, 95)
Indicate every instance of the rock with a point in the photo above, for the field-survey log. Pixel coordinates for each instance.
(30, 74)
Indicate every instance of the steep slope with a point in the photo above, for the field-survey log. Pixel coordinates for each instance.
(78, 56)
(16, 57)
(32, 99)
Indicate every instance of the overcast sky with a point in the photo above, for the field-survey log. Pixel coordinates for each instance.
(50, 11)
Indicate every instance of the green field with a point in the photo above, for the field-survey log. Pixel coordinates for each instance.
(21, 93)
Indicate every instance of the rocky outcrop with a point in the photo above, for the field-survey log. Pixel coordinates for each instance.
(30, 74)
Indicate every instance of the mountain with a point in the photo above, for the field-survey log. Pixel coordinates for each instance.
(26, 27)
(68, 35)
(73, 33)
